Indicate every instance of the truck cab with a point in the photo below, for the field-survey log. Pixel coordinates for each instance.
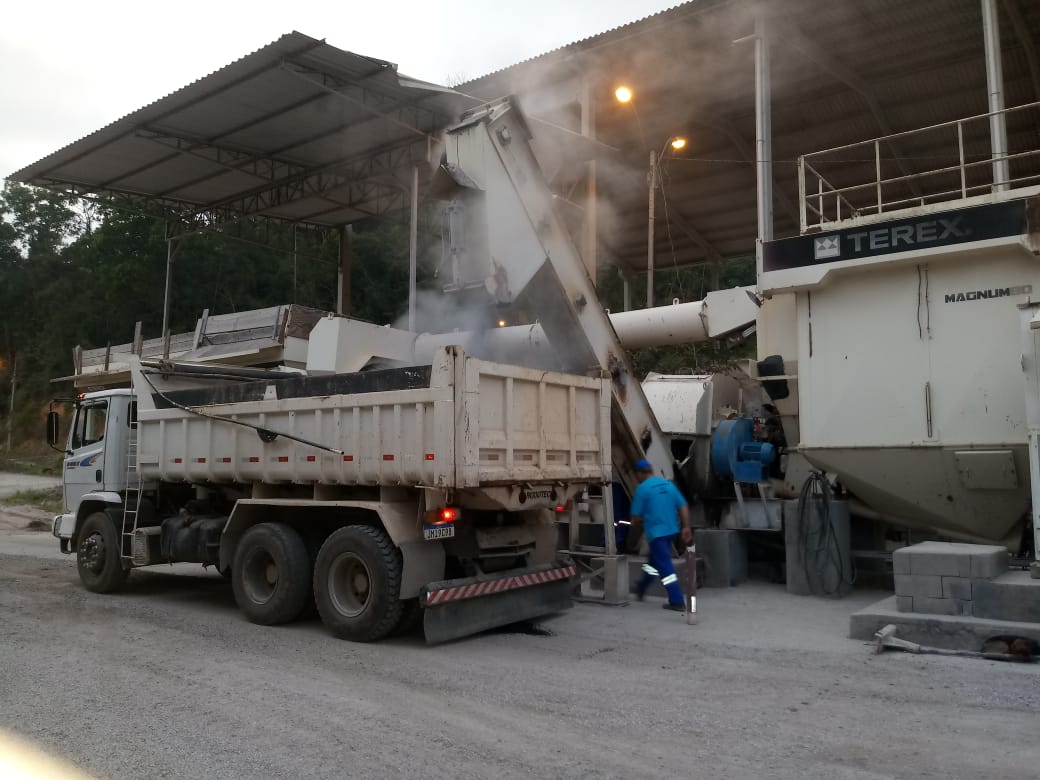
(95, 469)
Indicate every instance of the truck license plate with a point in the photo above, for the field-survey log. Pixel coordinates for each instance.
(438, 531)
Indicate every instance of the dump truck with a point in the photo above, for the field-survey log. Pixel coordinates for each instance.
(381, 495)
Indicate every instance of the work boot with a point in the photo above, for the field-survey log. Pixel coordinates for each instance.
(674, 607)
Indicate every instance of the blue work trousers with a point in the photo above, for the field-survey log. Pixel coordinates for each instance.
(659, 564)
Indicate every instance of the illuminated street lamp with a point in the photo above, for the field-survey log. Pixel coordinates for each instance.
(678, 143)
(623, 94)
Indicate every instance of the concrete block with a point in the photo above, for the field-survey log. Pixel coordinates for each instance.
(988, 562)
(930, 606)
(941, 558)
(901, 561)
(956, 588)
(725, 556)
(1012, 596)
(919, 585)
(905, 603)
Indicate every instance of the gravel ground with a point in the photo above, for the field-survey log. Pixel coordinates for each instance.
(168, 680)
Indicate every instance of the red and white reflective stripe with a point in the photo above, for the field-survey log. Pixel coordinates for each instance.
(497, 586)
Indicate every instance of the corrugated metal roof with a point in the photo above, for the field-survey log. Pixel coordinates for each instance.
(296, 130)
(921, 62)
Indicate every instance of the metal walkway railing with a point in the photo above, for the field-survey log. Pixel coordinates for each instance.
(944, 162)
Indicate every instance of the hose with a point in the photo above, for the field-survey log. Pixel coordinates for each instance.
(818, 539)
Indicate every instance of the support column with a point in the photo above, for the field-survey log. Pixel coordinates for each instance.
(995, 87)
(413, 244)
(650, 231)
(166, 294)
(343, 280)
(763, 131)
(590, 231)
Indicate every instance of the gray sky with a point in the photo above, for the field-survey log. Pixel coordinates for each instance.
(73, 67)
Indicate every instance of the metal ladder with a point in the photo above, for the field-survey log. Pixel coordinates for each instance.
(132, 497)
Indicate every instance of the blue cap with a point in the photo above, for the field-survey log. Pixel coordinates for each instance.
(643, 465)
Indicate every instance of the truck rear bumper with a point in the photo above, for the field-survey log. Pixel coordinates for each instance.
(458, 608)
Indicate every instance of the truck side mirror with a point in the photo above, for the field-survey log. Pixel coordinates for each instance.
(53, 424)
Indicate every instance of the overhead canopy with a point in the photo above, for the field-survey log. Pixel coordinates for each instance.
(297, 130)
(841, 71)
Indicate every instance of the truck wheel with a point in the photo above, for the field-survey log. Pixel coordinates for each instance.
(97, 555)
(357, 578)
(271, 574)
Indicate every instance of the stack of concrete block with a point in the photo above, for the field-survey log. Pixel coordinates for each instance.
(940, 578)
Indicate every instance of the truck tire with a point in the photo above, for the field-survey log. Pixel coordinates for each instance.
(98, 556)
(357, 579)
(271, 574)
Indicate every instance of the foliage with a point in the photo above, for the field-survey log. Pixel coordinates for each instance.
(49, 499)
(73, 273)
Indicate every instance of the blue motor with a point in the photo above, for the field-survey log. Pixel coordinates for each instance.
(735, 454)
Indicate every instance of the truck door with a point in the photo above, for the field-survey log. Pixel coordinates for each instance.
(85, 467)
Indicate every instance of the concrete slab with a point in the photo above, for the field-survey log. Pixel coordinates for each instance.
(953, 632)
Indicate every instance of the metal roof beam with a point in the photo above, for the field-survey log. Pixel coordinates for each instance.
(340, 88)
(209, 141)
(237, 161)
(1018, 23)
(843, 73)
(346, 172)
(343, 128)
(253, 122)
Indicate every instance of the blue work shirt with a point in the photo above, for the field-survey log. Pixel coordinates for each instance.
(657, 501)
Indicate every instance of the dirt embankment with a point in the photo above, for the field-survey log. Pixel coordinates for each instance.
(28, 502)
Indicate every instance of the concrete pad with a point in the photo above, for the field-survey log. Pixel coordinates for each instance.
(953, 632)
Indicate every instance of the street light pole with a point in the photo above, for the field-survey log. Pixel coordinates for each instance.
(652, 180)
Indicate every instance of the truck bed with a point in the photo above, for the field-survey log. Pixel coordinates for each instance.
(459, 423)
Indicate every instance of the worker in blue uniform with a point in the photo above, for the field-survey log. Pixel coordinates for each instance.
(664, 513)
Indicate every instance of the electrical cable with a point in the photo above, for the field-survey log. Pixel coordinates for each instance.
(266, 435)
(818, 539)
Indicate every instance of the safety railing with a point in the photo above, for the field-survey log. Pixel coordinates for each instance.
(944, 162)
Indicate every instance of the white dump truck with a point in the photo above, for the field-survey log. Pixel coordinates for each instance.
(387, 494)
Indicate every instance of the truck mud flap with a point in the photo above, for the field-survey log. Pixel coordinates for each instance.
(458, 608)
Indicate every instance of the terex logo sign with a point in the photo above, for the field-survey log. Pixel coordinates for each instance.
(930, 231)
(910, 234)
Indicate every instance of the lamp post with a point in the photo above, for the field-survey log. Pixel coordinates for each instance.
(624, 95)
(653, 182)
